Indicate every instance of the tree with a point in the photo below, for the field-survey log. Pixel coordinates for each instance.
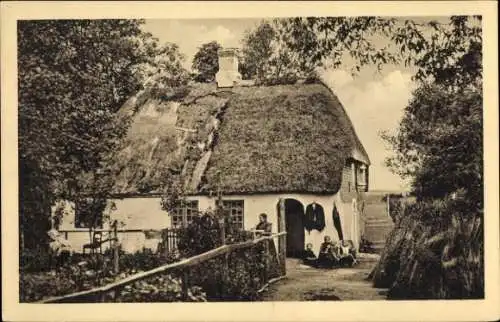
(163, 72)
(303, 44)
(206, 62)
(439, 143)
(73, 77)
(257, 50)
(296, 47)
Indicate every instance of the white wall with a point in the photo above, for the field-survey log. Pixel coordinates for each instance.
(131, 213)
(146, 213)
(257, 204)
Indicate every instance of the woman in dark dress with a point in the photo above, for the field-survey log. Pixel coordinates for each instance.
(263, 225)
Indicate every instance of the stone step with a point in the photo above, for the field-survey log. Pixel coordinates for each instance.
(380, 225)
(378, 220)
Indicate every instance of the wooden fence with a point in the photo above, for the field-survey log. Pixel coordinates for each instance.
(111, 291)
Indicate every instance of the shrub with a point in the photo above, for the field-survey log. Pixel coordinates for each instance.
(84, 272)
(34, 260)
(202, 235)
(244, 267)
(244, 275)
(143, 260)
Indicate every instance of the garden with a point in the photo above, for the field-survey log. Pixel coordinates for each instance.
(237, 275)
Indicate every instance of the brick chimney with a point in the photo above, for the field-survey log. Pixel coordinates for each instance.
(228, 75)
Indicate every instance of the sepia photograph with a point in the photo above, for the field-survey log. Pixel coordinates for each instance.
(294, 158)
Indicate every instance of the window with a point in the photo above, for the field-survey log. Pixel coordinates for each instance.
(183, 215)
(88, 213)
(235, 210)
(362, 174)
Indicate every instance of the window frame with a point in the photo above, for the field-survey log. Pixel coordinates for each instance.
(188, 209)
(228, 206)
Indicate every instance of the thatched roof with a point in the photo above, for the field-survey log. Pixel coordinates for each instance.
(257, 139)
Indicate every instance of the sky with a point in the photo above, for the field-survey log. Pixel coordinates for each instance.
(373, 100)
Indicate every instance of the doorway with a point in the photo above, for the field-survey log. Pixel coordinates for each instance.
(294, 226)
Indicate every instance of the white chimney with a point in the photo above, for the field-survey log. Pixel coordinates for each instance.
(228, 75)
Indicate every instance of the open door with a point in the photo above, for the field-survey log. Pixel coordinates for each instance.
(291, 218)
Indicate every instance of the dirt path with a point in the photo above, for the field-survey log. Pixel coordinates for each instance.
(311, 284)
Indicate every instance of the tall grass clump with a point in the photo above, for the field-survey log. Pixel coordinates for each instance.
(435, 251)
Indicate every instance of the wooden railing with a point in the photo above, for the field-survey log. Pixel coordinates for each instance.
(101, 294)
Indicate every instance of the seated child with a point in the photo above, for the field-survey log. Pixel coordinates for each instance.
(328, 255)
(308, 256)
(347, 253)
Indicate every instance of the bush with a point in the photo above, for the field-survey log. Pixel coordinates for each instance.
(244, 276)
(244, 266)
(202, 235)
(143, 260)
(434, 252)
(34, 260)
(83, 273)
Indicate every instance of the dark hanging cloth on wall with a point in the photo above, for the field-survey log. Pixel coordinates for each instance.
(315, 217)
(336, 222)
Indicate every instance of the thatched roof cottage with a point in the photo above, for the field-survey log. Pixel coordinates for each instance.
(256, 144)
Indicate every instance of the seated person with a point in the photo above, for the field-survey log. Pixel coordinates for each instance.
(308, 256)
(328, 253)
(347, 253)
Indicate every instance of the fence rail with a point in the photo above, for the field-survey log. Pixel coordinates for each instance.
(98, 294)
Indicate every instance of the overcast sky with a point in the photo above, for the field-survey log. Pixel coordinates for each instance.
(374, 101)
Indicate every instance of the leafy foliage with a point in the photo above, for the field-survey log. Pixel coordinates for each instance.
(439, 143)
(206, 62)
(202, 235)
(38, 281)
(257, 51)
(295, 47)
(451, 57)
(282, 50)
(244, 267)
(162, 71)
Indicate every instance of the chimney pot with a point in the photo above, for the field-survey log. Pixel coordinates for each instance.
(228, 75)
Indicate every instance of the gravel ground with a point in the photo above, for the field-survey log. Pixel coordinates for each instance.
(311, 284)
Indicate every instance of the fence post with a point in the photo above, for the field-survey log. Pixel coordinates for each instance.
(225, 264)
(266, 261)
(116, 253)
(185, 285)
(102, 297)
(282, 239)
(389, 205)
